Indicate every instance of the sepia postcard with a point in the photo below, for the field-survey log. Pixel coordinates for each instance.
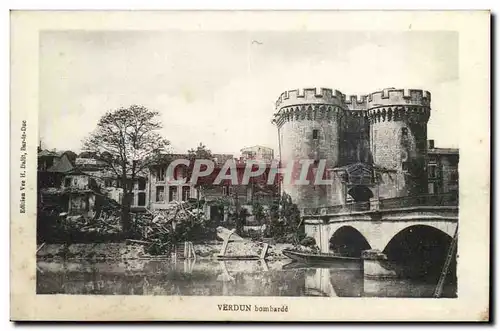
(250, 166)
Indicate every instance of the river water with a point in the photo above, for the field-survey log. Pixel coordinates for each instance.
(220, 278)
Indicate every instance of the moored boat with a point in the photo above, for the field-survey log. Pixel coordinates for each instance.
(324, 259)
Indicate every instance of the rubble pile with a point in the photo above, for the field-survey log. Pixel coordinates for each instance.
(104, 223)
(161, 230)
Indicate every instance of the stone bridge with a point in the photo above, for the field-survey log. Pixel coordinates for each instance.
(376, 224)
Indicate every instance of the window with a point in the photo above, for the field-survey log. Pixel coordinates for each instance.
(67, 182)
(454, 176)
(108, 183)
(432, 171)
(432, 187)
(129, 185)
(315, 134)
(141, 199)
(231, 190)
(172, 193)
(224, 190)
(50, 162)
(179, 172)
(186, 192)
(130, 197)
(160, 193)
(160, 175)
(142, 184)
(92, 183)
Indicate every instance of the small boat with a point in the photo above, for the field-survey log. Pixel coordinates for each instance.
(324, 259)
(237, 257)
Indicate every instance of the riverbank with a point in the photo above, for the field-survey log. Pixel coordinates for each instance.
(131, 251)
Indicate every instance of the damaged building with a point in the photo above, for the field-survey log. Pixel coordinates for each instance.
(164, 190)
(66, 188)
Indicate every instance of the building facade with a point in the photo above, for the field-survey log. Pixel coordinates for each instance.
(442, 169)
(77, 185)
(259, 153)
(164, 189)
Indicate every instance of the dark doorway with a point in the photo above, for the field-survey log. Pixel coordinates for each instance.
(360, 193)
(216, 214)
(141, 199)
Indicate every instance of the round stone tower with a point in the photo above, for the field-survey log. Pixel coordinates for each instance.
(398, 137)
(308, 127)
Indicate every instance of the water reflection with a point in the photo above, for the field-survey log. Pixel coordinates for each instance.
(215, 278)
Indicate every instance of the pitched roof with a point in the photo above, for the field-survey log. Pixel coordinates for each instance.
(46, 152)
(62, 165)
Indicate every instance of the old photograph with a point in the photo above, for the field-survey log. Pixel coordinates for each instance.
(237, 163)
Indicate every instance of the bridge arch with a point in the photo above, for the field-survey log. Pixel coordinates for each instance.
(381, 235)
(421, 249)
(348, 241)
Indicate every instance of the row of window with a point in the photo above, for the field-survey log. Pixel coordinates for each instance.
(141, 199)
(172, 193)
(433, 172)
(141, 183)
(180, 172)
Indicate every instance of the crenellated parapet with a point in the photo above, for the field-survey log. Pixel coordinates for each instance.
(408, 105)
(309, 112)
(310, 96)
(399, 97)
(409, 114)
(390, 104)
(312, 104)
(356, 102)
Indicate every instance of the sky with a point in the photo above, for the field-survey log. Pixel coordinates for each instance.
(219, 88)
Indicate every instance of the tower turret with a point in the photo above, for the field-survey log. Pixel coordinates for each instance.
(398, 136)
(308, 126)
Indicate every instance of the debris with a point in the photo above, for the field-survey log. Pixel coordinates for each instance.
(173, 224)
(229, 235)
(134, 241)
(40, 247)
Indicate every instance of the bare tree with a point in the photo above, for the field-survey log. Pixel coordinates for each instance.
(127, 140)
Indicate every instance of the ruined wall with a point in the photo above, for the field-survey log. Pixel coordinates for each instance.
(309, 128)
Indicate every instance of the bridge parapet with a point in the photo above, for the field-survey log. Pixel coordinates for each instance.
(428, 200)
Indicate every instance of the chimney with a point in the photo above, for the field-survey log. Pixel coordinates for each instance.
(430, 144)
